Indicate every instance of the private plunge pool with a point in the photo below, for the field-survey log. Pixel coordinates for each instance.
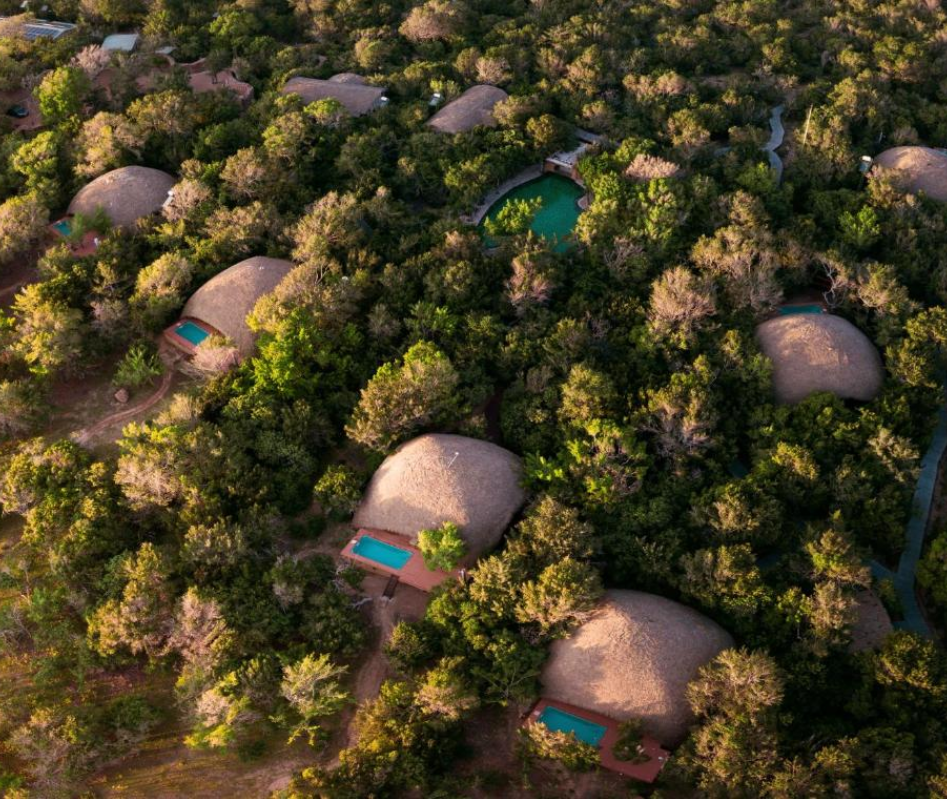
(387, 555)
(194, 334)
(789, 310)
(63, 227)
(559, 721)
(558, 214)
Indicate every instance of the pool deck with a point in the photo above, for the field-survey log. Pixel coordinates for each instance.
(87, 245)
(413, 573)
(179, 341)
(645, 772)
(476, 216)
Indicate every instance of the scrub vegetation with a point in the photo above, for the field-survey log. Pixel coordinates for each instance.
(623, 370)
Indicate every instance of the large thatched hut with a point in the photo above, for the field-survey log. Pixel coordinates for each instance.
(125, 195)
(634, 659)
(917, 169)
(474, 107)
(820, 352)
(224, 301)
(357, 98)
(441, 478)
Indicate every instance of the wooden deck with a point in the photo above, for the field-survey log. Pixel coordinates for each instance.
(413, 573)
(645, 772)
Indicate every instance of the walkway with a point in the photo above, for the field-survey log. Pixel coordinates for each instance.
(777, 133)
(169, 359)
(904, 577)
(477, 215)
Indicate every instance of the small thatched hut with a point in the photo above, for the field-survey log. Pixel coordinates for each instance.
(634, 659)
(357, 98)
(917, 169)
(819, 352)
(441, 478)
(224, 301)
(126, 195)
(474, 107)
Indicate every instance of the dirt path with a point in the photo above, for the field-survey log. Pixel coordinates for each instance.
(85, 436)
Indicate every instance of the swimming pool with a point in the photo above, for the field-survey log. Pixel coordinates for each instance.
(191, 332)
(788, 310)
(63, 227)
(559, 721)
(387, 555)
(559, 212)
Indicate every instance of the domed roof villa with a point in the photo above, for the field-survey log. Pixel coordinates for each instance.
(917, 169)
(474, 107)
(820, 352)
(632, 660)
(358, 98)
(430, 480)
(220, 307)
(125, 195)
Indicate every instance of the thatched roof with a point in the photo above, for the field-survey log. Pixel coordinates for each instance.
(357, 98)
(224, 301)
(917, 169)
(348, 77)
(820, 352)
(126, 195)
(872, 624)
(634, 659)
(438, 478)
(474, 107)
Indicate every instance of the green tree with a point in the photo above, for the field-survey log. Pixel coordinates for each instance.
(312, 689)
(62, 95)
(442, 547)
(515, 217)
(563, 595)
(402, 399)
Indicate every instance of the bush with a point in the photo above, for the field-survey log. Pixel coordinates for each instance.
(408, 648)
(628, 745)
(514, 217)
(538, 741)
(442, 548)
(139, 366)
(338, 491)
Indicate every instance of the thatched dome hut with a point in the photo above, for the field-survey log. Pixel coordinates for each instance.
(126, 195)
(917, 169)
(820, 352)
(357, 98)
(634, 659)
(474, 107)
(441, 478)
(224, 301)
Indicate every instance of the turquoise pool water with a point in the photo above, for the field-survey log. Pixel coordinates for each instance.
(559, 212)
(380, 552)
(63, 227)
(788, 310)
(560, 721)
(191, 332)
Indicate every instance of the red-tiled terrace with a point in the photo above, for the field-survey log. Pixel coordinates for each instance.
(172, 335)
(645, 772)
(413, 573)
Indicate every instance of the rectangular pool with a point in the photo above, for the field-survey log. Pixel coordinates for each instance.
(387, 555)
(559, 721)
(191, 332)
(63, 227)
(788, 310)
